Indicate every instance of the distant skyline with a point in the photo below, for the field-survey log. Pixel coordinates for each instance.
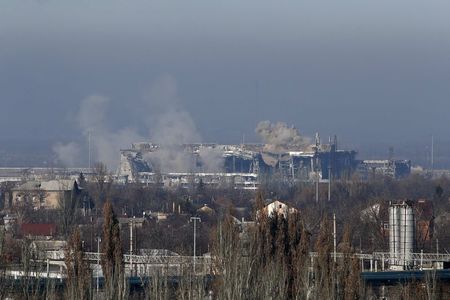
(370, 72)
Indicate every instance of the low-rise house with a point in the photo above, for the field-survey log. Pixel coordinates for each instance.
(126, 221)
(205, 209)
(10, 222)
(158, 216)
(277, 208)
(43, 194)
(48, 249)
(425, 220)
(38, 231)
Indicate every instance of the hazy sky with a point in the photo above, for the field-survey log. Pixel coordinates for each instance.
(365, 70)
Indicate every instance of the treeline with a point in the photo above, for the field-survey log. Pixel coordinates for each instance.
(268, 260)
(272, 260)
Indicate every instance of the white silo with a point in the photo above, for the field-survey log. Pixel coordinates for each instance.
(394, 235)
(401, 235)
(407, 235)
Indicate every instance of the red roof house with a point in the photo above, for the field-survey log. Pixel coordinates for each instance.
(40, 230)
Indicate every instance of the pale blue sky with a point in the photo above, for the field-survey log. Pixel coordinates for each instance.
(365, 70)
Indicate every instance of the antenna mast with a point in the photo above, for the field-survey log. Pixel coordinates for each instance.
(89, 149)
(432, 152)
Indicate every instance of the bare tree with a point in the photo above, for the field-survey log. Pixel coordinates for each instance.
(112, 256)
(158, 287)
(78, 284)
(432, 286)
(102, 184)
(301, 284)
(324, 266)
(269, 260)
(349, 269)
(68, 206)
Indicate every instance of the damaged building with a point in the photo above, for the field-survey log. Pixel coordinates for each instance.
(388, 167)
(242, 165)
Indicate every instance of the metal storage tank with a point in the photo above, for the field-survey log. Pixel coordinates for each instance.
(394, 234)
(407, 235)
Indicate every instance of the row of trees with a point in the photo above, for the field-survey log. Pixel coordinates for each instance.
(79, 276)
(268, 260)
(272, 261)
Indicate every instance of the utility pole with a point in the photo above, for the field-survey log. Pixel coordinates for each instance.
(334, 237)
(195, 219)
(316, 165)
(98, 260)
(317, 179)
(330, 159)
(329, 182)
(89, 150)
(131, 247)
(432, 152)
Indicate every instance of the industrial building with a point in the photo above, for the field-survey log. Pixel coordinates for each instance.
(41, 194)
(387, 167)
(245, 164)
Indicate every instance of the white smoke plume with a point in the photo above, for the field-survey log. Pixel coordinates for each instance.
(68, 154)
(105, 142)
(167, 122)
(171, 127)
(92, 113)
(212, 159)
(279, 137)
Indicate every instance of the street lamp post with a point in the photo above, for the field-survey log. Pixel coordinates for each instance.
(195, 219)
(98, 260)
(131, 247)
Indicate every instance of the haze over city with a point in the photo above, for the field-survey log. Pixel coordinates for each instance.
(374, 73)
(173, 149)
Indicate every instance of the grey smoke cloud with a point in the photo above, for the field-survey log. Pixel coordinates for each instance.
(92, 114)
(170, 127)
(163, 116)
(212, 160)
(173, 128)
(169, 124)
(105, 142)
(280, 137)
(171, 160)
(68, 154)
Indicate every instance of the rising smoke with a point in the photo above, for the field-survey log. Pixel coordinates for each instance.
(162, 113)
(68, 154)
(212, 160)
(105, 142)
(279, 137)
(170, 127)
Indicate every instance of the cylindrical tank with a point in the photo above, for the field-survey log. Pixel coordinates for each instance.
(394, 234)
(406, 235)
